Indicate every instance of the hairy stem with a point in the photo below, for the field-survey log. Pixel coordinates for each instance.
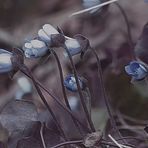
(106, 99)
(23, 69)
(57, 101)
(61, 78)
(80, 91)
(63, 87)
(130, 41)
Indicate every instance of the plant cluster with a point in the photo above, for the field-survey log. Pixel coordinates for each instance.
(46, 42)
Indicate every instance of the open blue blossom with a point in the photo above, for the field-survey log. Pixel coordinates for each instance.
(73, 47)
(46, 32)
(35, 49)
(70, 83)
(137, 70)
(5, 61)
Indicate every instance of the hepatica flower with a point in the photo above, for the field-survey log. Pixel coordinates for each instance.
(137, 70)
(70, 83)
(5, 61)
(73, 47)
(46, 32)
(35, 48)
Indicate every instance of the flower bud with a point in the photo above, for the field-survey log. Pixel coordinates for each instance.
(46, 32)
(137, 70)
(35, 48)
(73, 46)
(70, 83)
(5, 61)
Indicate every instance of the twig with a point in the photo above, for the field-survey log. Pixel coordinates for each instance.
(42, 137)
(137, 121)
(132, 138)
(80, 91)
(115, 141)
(125, 126)
(94, 7)
(68, 143)
(119, 145)
(81, 142)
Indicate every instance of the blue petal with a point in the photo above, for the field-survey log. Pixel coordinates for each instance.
(134, 65)
(141, 74)
(128, 70)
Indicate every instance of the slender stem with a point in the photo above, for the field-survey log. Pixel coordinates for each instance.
(67, 143)
(88, 99)
(118, 144)
(80, 91)
(23, 69)
(130, 41)
(106, 99)
(57, 101)
(109, 144)
(114, 141)
(61, 78)
(81, 142)
(107, 102)
(42, 137)
(63, 88)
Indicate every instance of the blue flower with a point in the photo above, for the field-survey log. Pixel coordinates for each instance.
(35, 49)
(5, 61)
(73, 46)
(137, 70)
(70, 83)
(46, 32)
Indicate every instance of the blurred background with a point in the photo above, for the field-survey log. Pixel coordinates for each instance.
(20, 20)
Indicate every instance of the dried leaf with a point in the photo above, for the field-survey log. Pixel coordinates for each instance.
(33, 138)
(17, 115)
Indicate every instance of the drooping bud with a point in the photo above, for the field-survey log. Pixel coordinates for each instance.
(35, 49)
(46, 32)
(5, 61)
(78, 44)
